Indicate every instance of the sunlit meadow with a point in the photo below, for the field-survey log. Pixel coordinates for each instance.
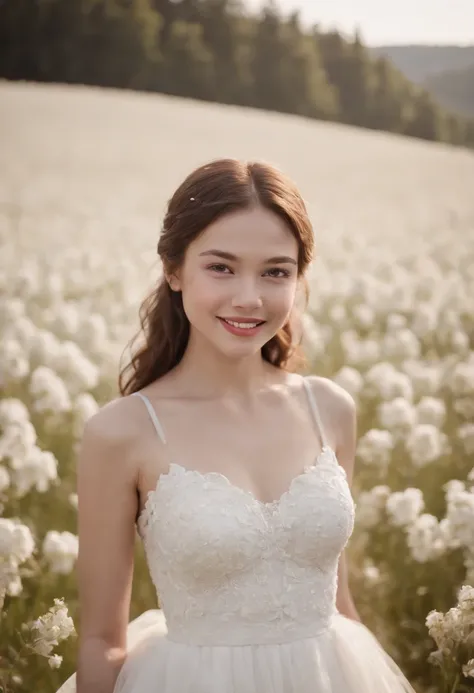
(84, 178)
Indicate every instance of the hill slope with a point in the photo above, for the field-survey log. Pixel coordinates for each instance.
(420, 62)
(114, 157)
(454, 89)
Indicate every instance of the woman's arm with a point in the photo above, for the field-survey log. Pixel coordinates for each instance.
(106, 483)
(338, 409)
(346, 436)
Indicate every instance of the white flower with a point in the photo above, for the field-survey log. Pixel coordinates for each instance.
(55, 661)
(50, 629)
(16, 546)
(370, 506)
(398, 415)
(396, 322)
(460, 513)
(466, 597)
(436, 658)
(400, 345)
(371, 573)
(453, 488)
(431, 410)
(23, 330)
(313, 337)
(350, 379)
(425, 444)
(375, 378)
(425, 379)
(13, 412)
(94, 332)
(44, 348)
(424, 320)
(385, 382)
(363, 316)
(403, 507)
(65, 322)
(10, 579)
(359, 353)
(459, 341)
(78, 372)
(462, 379)
(16, 442)
(49, 391)
(11, 309)
(39, 469)
(468, 669)
(435, 621)
(446, 629)
(338, 314)
(61, 550)
(16, 541)
(14, 365)
(375, 448)
(425, 539)
(4, 479)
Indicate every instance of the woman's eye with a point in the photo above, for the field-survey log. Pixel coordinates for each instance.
(218, 268)
(278, 273)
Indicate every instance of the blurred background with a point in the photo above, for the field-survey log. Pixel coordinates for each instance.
(105, 105)
(401, 66)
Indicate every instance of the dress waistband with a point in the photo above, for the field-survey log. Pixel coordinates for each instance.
(240, 634)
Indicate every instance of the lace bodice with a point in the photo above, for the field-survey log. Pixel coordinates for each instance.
(231, 570)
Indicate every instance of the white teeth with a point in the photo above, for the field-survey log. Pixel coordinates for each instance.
(242, 325)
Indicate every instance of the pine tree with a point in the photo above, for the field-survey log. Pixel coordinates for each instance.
(189, 65)
(267, 62)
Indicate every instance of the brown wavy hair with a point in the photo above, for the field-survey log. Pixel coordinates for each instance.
(211, 191)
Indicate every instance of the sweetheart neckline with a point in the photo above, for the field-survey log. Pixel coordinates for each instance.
(219, 477)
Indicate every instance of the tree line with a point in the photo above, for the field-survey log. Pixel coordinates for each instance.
(217, 51)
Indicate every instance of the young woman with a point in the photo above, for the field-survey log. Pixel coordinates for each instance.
(235, 470)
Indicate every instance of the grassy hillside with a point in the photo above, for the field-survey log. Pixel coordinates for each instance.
(117, 148)
(84, 179)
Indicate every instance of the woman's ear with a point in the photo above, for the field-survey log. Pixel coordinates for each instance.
(174, 282)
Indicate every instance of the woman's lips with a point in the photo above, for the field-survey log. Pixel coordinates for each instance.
(246, 327)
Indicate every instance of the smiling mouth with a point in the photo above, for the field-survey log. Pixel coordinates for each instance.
(243, 323)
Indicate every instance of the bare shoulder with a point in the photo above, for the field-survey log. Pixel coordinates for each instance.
(333, 398)
(116, 423)
(339, 417)
(110, 437)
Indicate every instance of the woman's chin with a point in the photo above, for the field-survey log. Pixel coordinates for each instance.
(244, 350)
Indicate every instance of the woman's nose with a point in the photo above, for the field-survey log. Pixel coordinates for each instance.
(247, 295)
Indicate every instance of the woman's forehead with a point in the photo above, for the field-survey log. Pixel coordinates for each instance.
(248, 233)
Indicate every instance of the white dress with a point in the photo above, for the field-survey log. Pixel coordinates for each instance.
(248, 589)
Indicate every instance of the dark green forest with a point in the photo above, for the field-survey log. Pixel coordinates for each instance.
(215, 50)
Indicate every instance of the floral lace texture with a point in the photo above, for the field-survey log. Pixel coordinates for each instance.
(231, 570)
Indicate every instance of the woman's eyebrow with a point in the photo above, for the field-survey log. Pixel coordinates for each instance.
(277, 260)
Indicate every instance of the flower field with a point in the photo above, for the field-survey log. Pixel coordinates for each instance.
(84, 179)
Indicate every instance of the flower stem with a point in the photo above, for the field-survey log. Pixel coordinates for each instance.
(455, 685)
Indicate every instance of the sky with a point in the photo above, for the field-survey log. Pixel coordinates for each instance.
(390, 21)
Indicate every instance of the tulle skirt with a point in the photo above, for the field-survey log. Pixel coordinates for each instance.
(346, 658)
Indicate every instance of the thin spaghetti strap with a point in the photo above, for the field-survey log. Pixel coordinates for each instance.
(153, 416)
(315, 411)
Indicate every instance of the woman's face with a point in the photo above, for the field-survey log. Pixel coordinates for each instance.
(239, 281)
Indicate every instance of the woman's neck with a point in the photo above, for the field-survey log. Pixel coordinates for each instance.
(210, 374)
